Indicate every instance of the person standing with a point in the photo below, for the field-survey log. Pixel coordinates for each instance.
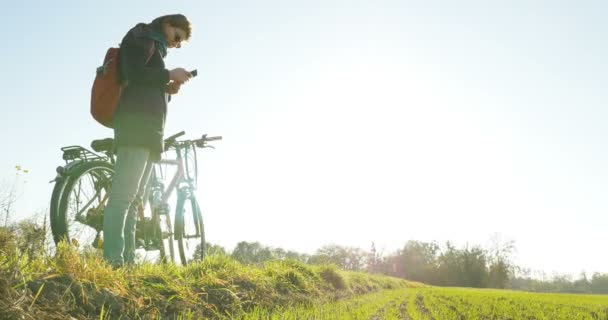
(139, 123)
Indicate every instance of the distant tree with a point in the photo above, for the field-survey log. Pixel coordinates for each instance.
(475, 267)
(501, 248)
(347, 258)
(392, 265)
(501, 269)
(599, 283)
(328, 254)
(582, 285)
(374, 260)
(9, 193)
(562, 283)
(211, 250)
(465, 267)
(278, 253)
(356, 259)
(419, 261)
(251, 253)
(297, 256)
(498, 276)
(450, 266)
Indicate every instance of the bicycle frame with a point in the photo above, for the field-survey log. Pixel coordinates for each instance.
(183, 180)
(175, 180)
(160, 201)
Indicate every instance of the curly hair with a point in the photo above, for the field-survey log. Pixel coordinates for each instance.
(176, 20)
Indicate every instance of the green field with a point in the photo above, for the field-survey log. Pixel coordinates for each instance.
(82, 286)
(450, 303)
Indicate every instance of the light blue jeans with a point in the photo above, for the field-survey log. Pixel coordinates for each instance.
(131, 174)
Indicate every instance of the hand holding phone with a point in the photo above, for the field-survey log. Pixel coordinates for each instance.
(180, 75)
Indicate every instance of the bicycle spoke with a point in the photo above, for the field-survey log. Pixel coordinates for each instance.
(189, 228)
(83, 203)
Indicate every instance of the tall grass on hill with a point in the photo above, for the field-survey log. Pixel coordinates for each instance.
(83, 286)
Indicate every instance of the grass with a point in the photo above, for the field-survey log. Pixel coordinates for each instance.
(83, 286)
(446, 303)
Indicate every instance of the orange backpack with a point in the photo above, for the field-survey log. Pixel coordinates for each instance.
(107, 87)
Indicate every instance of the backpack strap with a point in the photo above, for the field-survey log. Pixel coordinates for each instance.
(150, 52)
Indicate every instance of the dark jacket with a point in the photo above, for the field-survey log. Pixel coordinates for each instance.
(142, 110)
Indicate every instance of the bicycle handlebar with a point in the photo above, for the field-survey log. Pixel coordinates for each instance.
(172, 138)
(201, 143)
(211, 138)
(171, 141)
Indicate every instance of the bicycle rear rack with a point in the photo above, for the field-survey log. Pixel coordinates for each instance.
(72, 153)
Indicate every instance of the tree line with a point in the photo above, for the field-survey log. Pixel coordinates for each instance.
(431, 263)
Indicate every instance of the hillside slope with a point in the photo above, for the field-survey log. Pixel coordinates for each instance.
(84, 287)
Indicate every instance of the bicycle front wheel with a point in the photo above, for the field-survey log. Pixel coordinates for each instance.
(189, 228)
(163, 233)
(81, 206)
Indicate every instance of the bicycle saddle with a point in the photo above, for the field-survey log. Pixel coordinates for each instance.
(103, 145)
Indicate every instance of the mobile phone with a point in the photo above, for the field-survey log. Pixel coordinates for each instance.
(194, 73)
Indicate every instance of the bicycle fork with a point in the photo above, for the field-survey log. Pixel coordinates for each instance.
(161, 201)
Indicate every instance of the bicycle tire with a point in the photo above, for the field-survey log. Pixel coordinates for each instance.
(54, 205)
(191, 164)
(65, 226)
(166, 238)
(189, 225)
(163, 230)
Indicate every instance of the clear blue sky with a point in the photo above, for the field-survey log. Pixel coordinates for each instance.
(350, 121)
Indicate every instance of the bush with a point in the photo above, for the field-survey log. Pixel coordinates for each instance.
(330, 274)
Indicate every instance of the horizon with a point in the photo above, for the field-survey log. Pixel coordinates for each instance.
(350, 123)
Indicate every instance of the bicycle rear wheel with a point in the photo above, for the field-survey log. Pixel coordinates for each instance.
(81, 206)
(189, 228)
(54, 205)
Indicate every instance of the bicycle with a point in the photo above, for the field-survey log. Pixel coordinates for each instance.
(81, 192)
